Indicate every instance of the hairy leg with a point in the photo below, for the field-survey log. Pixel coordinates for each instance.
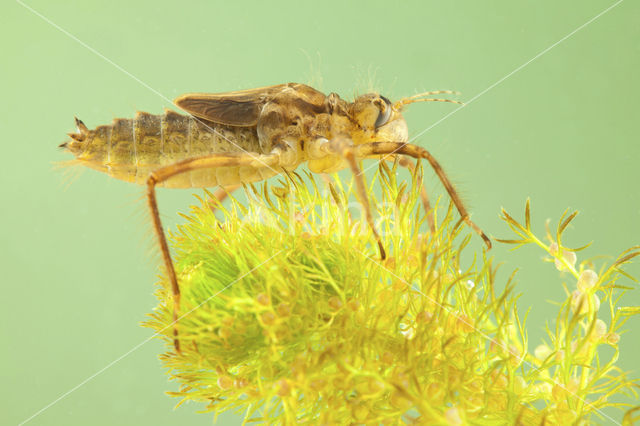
(165, 173)
(414, 151)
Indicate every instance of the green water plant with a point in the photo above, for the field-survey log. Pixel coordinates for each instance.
(288, 315)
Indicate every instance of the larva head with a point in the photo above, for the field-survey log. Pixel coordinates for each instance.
(378, 119)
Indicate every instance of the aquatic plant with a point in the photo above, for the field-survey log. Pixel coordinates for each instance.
(288, 315)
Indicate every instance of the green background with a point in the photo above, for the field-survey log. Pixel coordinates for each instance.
(78, 260)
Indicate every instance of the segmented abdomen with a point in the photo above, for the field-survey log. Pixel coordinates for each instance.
(130, 149)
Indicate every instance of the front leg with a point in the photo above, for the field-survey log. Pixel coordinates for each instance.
(417, 152)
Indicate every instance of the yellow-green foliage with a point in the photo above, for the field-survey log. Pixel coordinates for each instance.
(289, 316)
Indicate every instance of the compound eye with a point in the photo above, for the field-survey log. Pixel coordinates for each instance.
(384, 114)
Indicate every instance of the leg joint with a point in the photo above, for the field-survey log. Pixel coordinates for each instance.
(152, 180)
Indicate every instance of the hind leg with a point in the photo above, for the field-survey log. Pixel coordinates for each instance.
(167, 172)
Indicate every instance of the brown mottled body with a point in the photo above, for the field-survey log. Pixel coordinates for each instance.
(130, 149)
(249, 135)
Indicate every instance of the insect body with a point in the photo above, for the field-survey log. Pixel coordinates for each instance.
(250, 135)
(131, 149)
(293, 120)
